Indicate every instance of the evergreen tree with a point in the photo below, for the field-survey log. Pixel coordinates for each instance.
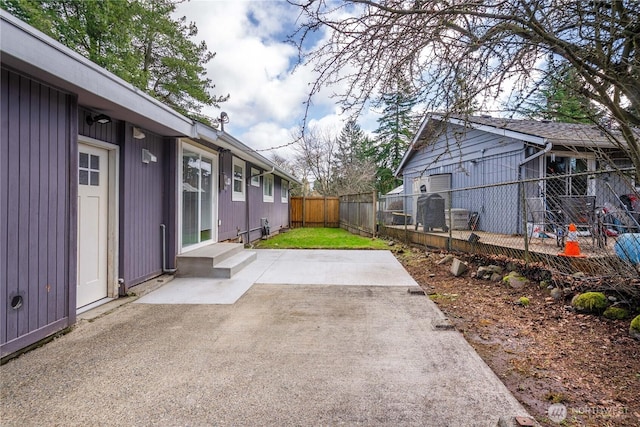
(396, 128)
(558, 97)
(354, 169)
(138, 40)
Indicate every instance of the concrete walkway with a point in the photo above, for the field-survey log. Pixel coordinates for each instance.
(298, 338)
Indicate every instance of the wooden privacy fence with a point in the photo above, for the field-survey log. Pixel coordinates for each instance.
(315, 212)
(358, 213)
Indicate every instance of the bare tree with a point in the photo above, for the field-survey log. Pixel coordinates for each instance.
(464, 54)
(295, 169)
(315, 158)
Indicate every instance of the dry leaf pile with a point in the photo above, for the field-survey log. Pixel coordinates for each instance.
(544, 352)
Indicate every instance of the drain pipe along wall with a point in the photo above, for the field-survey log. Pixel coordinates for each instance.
(164, 251)
(248, 186)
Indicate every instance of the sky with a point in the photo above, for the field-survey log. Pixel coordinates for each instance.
(256, 66)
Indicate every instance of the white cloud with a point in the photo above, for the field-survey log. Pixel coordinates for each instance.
(253, 63)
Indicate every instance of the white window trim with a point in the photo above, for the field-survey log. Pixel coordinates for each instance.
(255, 178)
(284, 191)
(238, 196)
(266, 197)
(591, 165)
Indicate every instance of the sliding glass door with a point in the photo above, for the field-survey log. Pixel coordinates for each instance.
(198, 172)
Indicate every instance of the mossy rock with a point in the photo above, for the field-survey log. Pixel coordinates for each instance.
(590, 302)
(616, 313)
(634, 328)
(515, 280)
(523, 301)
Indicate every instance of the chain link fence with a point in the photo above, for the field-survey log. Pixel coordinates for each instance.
(532, 220)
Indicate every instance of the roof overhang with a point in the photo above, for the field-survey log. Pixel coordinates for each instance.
(33, 53)
(576, 139)
(240, 150)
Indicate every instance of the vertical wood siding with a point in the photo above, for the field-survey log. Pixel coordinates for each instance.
(142, 194)
(145, 191)
(233, 215)
(276, 212)
(37, 221)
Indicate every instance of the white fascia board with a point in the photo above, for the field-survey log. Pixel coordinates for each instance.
(238, 149)
(39, 51)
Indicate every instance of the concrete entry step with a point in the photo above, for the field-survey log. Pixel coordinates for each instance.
(219, 260)
(232, 265)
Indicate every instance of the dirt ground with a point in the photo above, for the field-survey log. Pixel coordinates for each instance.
(545, 352)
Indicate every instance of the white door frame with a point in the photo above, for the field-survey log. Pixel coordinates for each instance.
(112, 216)
(196, 148)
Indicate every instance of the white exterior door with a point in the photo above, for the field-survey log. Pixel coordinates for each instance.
(93, 218)
(198, 170)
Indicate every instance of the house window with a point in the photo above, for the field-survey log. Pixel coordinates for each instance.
(89, 169)
(238, 180)
(570, 172)
(284, 191)
(267, 189)
(255, 179)
(567, 176)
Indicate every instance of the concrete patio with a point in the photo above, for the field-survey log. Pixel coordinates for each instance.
(295, 338)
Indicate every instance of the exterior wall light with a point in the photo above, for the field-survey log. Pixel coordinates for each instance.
(103, 119)
(138, 134)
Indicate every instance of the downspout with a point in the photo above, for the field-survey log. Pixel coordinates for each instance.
(164, 252)
(547, 148)
(247, 186)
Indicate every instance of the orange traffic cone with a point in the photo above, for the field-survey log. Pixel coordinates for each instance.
(571, 247)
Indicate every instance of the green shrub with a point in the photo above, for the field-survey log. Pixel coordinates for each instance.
(590, 302)
(524, 301)
(616, 313)
(634, 328)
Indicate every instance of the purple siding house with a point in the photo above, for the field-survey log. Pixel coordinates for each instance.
(102, 187)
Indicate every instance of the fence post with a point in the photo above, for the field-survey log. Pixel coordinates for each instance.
(359, 220)
(324, 211)
(405, 212)
(304, 205)
(450, 240)
(524, 222)
(375, 214)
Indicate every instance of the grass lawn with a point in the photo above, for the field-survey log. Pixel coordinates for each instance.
(320, 238)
